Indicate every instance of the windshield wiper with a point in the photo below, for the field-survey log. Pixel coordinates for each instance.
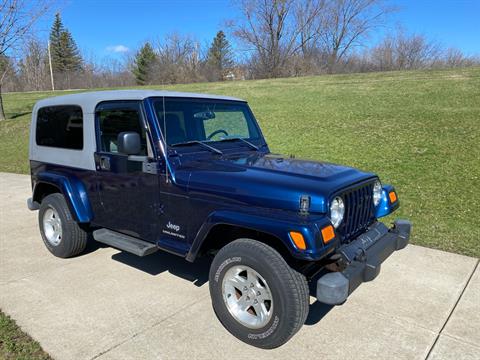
(194, 142)
(253, 146)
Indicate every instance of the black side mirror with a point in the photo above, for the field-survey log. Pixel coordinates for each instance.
(128, 143)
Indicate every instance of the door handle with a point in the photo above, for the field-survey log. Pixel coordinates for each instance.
(104, 162)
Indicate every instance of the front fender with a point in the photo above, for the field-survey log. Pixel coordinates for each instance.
(386, 206)
(275, 226)
(73, 191)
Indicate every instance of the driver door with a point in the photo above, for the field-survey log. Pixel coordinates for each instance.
(128, 194)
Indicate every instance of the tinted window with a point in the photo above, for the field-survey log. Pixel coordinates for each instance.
(206, 120)
(60, 126)
(114, 118)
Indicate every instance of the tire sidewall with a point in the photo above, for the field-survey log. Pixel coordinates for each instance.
(261, 337)
(56, 202)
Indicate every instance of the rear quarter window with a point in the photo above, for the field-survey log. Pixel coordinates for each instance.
(60, 127)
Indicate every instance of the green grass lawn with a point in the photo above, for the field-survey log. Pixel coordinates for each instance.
(418, 130)
(15, 344)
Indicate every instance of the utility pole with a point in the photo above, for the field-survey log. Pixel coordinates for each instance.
(50, 64)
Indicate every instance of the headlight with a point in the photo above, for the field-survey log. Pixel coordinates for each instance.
(337, 210)
(377, 192)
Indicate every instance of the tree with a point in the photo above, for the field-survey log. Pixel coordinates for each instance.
(56, 34)
(456, 58)
(6, 67)
(270, 29)
(66, 58)
(17, 18)
(71, 60)
(220, 57)
(415, 51)
(143, 64)
(178, 60)
(346, 23)
(405, 51)
(33, 67)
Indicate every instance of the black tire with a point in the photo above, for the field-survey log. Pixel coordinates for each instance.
(289, 290)
(73, 239)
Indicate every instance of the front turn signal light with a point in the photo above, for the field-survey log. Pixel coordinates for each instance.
(392, 196)
(328, 234)
(298, 240)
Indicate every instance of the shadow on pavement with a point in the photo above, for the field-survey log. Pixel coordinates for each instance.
(159, 262)
(92, 246)
(196, 273)
(317, 312)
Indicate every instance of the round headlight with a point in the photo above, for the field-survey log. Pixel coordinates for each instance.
(377, 192)
(337, 210)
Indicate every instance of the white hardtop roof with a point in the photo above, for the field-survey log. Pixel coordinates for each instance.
(89, 100)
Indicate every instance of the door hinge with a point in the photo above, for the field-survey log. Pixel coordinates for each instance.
(150, 167)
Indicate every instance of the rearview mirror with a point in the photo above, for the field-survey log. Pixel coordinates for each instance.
(128, 143)
(204, 115)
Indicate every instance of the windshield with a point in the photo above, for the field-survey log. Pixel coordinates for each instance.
(205, 120)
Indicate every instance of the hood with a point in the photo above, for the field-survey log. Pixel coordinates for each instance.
(267, 180)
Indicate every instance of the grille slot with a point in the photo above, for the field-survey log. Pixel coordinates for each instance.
(359, 211)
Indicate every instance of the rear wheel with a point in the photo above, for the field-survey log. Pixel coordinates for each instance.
(256, 295)
(62, 236)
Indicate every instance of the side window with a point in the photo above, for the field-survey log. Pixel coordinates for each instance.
(114, 118)
(60, 127)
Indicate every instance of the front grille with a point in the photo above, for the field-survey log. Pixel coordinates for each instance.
(359, 211)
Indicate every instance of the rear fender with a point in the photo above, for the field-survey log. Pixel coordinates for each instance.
(72, 190)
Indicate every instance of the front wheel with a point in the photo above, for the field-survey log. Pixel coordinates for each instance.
(256, 295)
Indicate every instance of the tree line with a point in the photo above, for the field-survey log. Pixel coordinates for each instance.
(274, 38)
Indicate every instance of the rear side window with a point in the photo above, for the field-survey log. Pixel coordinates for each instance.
(60, 127)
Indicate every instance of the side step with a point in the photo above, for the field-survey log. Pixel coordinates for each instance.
(124, 242)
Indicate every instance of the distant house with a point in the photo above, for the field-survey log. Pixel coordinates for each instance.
(236, 73)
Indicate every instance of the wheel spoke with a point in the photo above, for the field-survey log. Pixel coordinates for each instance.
(261, 312)
(243, 304)
(264, 296)
(247, 296)
(52, 226)
(237, 282)
(251, 277)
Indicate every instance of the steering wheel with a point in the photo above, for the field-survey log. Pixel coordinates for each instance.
(216, 132)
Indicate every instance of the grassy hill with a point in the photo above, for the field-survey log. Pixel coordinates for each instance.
(418, 130)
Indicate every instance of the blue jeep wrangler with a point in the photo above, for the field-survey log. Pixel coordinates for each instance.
(191, 174)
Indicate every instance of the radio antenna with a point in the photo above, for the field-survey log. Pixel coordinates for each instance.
(165, 140)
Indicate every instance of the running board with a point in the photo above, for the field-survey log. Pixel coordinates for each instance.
(124, 242)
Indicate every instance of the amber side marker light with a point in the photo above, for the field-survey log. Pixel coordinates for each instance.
(298, 240)
(328, 234)
(392, 196)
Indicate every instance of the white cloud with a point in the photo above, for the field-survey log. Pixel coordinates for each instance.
(118, 49)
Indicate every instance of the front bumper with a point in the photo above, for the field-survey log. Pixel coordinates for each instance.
(363, 258)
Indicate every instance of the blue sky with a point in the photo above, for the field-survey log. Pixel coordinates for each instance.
(109, 28)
